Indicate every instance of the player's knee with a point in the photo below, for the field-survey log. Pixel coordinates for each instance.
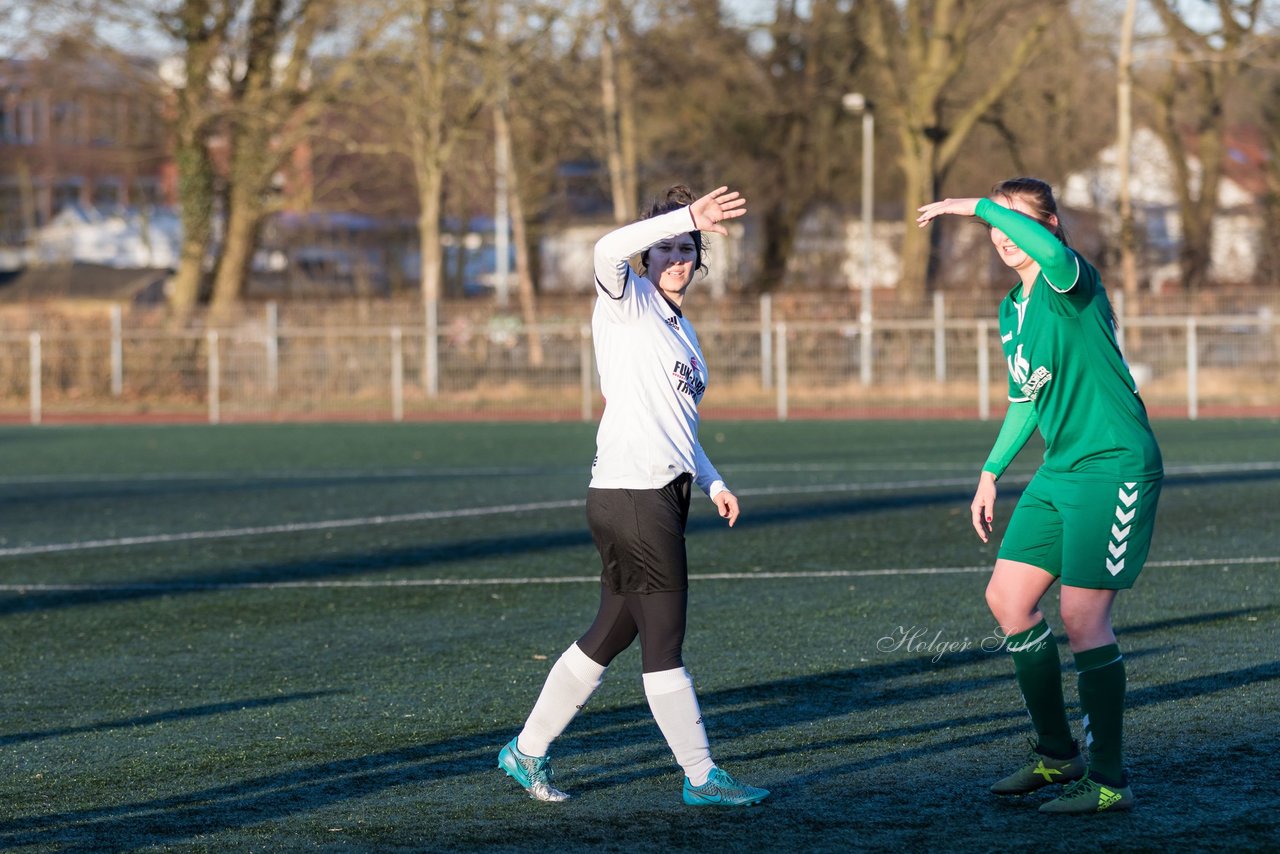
(999, 601)
(1013, 612)
(1086, 628)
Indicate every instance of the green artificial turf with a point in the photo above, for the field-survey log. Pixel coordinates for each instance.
(317, 637)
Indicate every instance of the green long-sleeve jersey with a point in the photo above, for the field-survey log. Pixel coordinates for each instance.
(1060, 347)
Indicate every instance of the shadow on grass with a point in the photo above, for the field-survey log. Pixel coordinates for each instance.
(420, 557)
(824, 701)
(207, 710)
(36, 492)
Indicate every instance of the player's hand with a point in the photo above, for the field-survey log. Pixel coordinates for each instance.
(933, 210)
(984, 505)
(715, 207)
(727, 503)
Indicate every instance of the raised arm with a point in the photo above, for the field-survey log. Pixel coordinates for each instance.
(613, 251)
(1057, 262)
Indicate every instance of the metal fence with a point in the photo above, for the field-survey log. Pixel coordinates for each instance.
(930, 367)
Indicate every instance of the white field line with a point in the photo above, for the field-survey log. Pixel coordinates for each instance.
(426, 516)
(429, 473)
(525, 471)
(180, 586)
(501, 509)
(289, 528)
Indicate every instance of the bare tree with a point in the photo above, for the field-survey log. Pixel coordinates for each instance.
(1268, 92)
(248, 88)
(921, 51)
(1191, 104)
(263, 98)
(201, 26)
(618, 100)
(506, 54)
(812, 61)
(1124, 149)
(443, 47)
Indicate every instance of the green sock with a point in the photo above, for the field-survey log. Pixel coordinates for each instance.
(1039, 672)
(1101, 678)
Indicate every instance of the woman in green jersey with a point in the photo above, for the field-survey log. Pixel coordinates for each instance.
(1086, 517)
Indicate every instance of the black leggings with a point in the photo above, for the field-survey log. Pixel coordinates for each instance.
(657, 618)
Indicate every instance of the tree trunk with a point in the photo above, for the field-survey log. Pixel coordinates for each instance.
(252, 165)
(202, 30)
(244, 217)
(917, 244)
(524, 279)
(27, 202)
(195, 200)
(779, 227)
(627, 130)
(524, 276)
(619, 115)
(612, 144)
(1124, 151)
(1196, 198)
(1268, 272)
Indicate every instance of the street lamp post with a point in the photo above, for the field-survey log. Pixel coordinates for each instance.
(858, 104)
(501, 220)
(501, 228)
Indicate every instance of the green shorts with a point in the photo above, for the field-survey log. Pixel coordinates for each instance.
(1088, 533)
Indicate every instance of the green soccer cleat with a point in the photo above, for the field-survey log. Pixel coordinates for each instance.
(532, 772)
(1040, 771)
(1089, 796)
(721, 790)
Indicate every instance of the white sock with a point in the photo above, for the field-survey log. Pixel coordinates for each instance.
(572, 680)
(675, 708)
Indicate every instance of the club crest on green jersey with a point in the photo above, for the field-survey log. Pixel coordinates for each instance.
(1019, 367)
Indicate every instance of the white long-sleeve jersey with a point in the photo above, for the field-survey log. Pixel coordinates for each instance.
(651, 368)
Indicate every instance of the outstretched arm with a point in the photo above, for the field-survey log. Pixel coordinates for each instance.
(1057, 262)
(957, 207)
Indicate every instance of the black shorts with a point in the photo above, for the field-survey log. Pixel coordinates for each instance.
(640, 536)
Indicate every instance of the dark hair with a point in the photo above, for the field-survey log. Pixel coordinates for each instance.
(1038, 198)
(677, 197)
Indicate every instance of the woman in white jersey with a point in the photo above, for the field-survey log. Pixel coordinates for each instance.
(652, 375)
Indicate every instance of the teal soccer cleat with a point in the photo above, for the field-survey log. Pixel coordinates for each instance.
(531, 772)
(721, 790)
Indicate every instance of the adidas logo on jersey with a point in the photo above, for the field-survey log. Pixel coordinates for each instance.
(673, 322)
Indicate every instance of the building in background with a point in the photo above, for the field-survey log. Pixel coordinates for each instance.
(79, 128)
(1237, 249)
